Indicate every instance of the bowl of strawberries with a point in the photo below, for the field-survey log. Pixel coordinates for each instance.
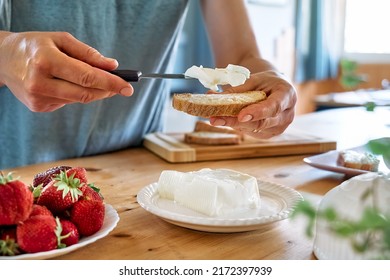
(58, 213)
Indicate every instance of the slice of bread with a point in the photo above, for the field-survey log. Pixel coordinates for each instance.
(205, 126)
(215, 104)
(211, 138)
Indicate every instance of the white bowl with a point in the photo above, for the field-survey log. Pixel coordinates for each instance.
(347, 200)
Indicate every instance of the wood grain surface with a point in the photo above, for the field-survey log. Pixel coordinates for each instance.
(172, 147)
(141, 235)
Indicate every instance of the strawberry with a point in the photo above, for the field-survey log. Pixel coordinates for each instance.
(40, 210)
(8, 245)
(43, 178)
(88, 216)
(79, 173)
(90, 192)
(67, 233)
(37, 234)
(16, 200)
(63, 190)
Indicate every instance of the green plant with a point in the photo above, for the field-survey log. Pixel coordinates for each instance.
(381, 147)
(349, 78)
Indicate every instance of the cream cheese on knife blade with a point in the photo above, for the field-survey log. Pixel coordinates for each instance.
(234, 75)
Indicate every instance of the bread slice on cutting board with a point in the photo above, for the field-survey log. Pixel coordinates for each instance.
(206, 126)
(211, 138)
(206, 134)
(216, 104)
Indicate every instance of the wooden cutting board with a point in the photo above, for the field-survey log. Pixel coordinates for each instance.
(171, 147)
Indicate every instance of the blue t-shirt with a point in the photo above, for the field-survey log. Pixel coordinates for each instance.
(139, 34)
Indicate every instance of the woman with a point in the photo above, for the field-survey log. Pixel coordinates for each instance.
(58, 101)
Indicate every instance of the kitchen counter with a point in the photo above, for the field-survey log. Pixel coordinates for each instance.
(144, 236)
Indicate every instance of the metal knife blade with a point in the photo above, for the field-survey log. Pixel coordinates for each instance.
(136, 75)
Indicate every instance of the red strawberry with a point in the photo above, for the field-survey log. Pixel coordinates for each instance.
(40, 210)
(63, 190)
(79, 173)
(90, 192)
(43, 178)
(16, 200)
(67, 233)
(37, 234)
(8, 245)
(88, 216)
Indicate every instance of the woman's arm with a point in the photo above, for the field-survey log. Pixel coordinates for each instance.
(233, 41)
(46, 70)
(231, 35)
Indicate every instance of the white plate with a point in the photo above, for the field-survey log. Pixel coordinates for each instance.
(110, 221)
(277, 202)
(328, 161)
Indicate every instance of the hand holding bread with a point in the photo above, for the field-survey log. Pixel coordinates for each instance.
(269, 117)
(262, 107)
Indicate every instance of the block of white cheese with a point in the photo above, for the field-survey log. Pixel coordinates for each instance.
(213, 192)
(234, 75)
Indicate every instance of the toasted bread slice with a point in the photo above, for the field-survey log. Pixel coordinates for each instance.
(216, 104)
(211, 138)
(205, 126)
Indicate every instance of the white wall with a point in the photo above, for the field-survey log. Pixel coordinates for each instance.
(273, 22)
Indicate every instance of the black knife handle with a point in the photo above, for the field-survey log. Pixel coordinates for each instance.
(128, 75)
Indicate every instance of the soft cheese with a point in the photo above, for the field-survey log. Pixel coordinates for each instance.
(211, 192)
(234, 75)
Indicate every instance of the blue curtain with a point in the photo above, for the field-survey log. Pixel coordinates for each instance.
(314, 60)
(5, 11)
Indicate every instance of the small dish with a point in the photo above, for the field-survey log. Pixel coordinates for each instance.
(328, 161)
(277, 202)
(110, 221)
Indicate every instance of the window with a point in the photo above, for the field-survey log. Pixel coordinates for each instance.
(366, 33)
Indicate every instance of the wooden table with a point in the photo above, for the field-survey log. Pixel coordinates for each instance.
(141, 235)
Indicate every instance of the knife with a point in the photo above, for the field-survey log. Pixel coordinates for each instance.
(136, 75)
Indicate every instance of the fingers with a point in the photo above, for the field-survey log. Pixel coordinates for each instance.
(281, 99)
(87, 76)
(264, 128)
(47, 70)
(49, 61)
(80, 63)
(269, 117)
(81, 51)
(61, 93)
(281, 95)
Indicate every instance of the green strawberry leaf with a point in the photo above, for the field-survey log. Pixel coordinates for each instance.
(68, 185)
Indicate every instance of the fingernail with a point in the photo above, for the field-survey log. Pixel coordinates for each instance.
(127, 91)
(113, 60)
(219, 122)
(109, 59)
(246, 118)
